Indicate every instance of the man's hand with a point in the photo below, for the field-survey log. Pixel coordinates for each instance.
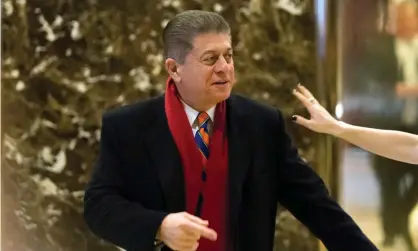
(403, 90)
(182, 231)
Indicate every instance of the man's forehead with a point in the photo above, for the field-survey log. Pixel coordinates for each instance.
(212, 42)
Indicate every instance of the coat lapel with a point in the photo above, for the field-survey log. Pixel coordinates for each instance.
(165, 155)
(240, 157)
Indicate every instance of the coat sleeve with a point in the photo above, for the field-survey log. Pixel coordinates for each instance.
(305, 195)
(107, 213)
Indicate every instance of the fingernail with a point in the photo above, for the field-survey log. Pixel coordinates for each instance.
(299, 84)
(294, 118)
(294, 90)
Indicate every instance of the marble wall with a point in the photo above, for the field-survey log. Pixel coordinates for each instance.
(65, 62)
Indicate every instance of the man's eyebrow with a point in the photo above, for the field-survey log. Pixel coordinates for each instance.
(215, 51)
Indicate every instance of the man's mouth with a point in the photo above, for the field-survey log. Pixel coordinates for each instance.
(220, 82)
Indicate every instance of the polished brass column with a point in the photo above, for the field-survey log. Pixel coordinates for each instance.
(327, 90)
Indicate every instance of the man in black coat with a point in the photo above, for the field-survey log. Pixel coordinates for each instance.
(200, 169)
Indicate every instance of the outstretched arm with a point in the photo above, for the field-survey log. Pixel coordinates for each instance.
(391, 144)
(302, 191)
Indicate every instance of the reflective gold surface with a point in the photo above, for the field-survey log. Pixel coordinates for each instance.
(365, 102)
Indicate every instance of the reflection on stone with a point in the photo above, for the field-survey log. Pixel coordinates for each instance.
(64, 62)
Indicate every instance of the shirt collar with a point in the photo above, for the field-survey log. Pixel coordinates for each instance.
(192, 113)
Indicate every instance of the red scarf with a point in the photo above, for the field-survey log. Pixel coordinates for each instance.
(215, 189)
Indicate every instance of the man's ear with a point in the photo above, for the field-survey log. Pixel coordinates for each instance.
(173, 70)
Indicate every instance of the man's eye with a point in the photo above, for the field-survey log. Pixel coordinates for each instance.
(212, 58)
(228, 57)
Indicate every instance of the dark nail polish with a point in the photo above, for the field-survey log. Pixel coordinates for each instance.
(294, 118)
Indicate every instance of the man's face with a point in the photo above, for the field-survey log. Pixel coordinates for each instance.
(207, 75)
(407, 20)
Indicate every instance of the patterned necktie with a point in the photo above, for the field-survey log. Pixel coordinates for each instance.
(202, 137)
(202, 140)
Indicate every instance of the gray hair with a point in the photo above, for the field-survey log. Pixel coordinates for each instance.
(180, 32)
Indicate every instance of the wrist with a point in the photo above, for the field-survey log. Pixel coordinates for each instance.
(159, 235)
(338, 129)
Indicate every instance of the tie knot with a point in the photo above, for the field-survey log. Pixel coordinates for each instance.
(202, 118)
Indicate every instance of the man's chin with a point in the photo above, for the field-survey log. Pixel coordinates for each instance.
(222, 96)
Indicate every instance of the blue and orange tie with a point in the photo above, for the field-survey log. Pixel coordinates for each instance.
(202, 139)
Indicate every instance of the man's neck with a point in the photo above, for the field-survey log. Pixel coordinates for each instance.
(198, 107)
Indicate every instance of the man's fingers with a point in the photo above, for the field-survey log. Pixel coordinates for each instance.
(208, 233)
(204, 231)
(191, 231)
(186, 246)
(189, 236)
(200, 226)
(301, 121)
(196, 219)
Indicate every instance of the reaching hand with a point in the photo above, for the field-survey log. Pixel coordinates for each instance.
(182, 231)
(321, 121)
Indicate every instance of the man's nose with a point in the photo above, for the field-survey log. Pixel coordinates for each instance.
(221, 65)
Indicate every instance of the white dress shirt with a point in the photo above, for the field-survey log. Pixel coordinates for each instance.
(192, 116)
